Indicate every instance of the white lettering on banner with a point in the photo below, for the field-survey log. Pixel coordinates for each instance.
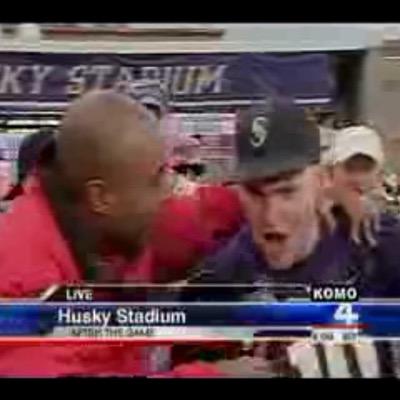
(183, 80)
(178, 81)
(10, 78)
(40, 73)
(210, 78)
(101, 71)
(190, 79)
(150, 73)
(124, 80)
(166, 77)
(77, 80)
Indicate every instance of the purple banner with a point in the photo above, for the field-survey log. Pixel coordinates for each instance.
(190, 79)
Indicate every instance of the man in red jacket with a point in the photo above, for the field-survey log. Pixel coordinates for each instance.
(83, 218)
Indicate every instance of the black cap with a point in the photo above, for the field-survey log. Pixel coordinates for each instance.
(273, 138)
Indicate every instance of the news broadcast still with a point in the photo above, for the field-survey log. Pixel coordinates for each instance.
(171, 212)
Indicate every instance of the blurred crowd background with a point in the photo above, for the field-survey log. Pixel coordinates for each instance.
(343, 74)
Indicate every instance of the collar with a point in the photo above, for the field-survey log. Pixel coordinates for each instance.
(327, 263)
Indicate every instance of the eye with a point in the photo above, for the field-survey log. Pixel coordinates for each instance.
(288, 190)
(253, 191)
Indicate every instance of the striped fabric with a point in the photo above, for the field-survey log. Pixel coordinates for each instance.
(359, 360)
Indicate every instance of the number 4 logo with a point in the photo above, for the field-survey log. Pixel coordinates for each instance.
(344, 313)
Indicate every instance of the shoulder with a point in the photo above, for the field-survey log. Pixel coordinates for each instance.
(389, 234)
(228, 263)
(33, 255)
(219, 198)
(220, 210)
(385, 281)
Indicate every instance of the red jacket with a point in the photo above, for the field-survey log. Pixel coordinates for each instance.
(33, 256)
(189, 227)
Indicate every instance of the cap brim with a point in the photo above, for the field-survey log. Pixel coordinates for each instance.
(346, 155)
(257, 171)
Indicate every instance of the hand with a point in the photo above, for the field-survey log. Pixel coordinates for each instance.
(363, 211)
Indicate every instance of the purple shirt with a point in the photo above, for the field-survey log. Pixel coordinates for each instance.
(334, 260)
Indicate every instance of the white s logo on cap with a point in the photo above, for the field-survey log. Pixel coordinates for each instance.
(259, 131)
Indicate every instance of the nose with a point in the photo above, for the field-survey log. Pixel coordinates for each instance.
(272, 211)
(361, 182)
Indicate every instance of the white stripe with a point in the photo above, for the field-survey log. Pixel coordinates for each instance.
(205, 103)
(34, 301)
(186, 285)
(304, 357)
(336, 360)
(49, 292)
(34, 104)
(170, 332)
(367, 358)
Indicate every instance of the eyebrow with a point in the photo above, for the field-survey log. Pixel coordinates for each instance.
(285, 176)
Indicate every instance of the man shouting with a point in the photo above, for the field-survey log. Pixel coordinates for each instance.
(280, 184)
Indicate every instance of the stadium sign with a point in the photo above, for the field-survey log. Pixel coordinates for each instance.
(190, 79)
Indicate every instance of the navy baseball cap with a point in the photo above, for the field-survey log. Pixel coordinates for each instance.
(272, 138)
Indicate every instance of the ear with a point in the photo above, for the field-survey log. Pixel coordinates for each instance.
(322, 181)
(322, 177)
(98, 199)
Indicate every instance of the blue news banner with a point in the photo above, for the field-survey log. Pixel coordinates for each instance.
(296, 319)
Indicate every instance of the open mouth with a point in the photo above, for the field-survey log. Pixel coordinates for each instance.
(358, 190)
(275, 237)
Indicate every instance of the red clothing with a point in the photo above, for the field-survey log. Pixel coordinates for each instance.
(196, 369)
(189, 227)
(33, 256)
(220, 211)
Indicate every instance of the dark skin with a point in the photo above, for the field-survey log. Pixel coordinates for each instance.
(108, 176)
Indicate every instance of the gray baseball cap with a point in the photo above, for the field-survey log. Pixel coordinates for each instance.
(150, 93)
(273, 138)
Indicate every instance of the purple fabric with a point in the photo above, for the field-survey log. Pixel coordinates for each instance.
(241, 262)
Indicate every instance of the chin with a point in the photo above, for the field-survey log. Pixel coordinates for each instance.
(279, 262)
(280, 265)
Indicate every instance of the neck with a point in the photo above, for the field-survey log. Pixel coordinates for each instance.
(308, 241)
(79, 237)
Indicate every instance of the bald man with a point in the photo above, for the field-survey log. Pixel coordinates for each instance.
(109, 159)
(84, 218)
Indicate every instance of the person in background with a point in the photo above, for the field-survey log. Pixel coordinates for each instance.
(196, 218)
(280, 184)
(392, 193)
(29, 153)
(84, 218)
(355, 170)
(152, 94)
